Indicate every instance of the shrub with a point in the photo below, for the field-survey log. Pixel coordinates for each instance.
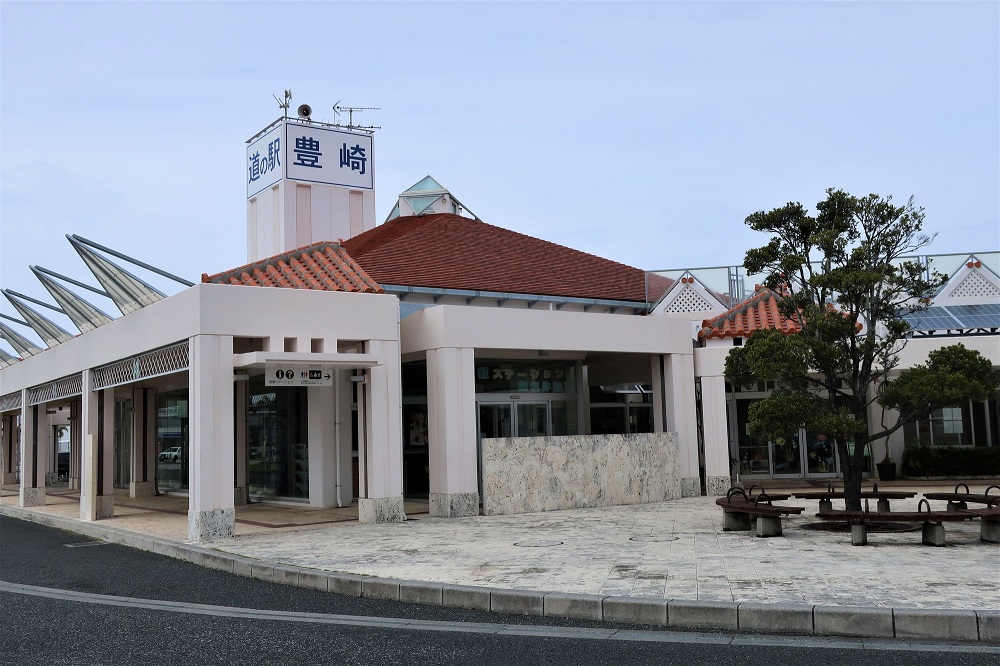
(951, 461)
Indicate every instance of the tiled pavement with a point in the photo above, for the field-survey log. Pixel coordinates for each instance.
(674, 550)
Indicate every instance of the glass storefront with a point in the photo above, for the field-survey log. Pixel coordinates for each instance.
(277, 441)
(966, 424)
(172, 440)
(620, 410)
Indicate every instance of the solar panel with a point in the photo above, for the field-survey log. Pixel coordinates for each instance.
(955, 317)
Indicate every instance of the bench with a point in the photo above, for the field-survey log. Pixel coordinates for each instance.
(958, 501)
(883, 496)
(989, 519)
(738, 510)
(931, 535)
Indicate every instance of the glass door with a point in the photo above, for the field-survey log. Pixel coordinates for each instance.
(532, 419)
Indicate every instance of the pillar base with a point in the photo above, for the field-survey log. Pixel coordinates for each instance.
(989, 530)
(381, 510)
(241, 496)
(933, 534)
(211, 525)
(32, 497)
(141, 489)
(51, 477)
(8, 478)
(453, 505)
(717, 485)
(104, 507)
(74, 483)
(691, 487)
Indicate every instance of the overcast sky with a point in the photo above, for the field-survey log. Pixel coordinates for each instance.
(641, 132)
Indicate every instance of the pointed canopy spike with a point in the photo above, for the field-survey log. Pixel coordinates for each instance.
(83, 314)
(21, 344)
(127, 291)
(49, 331)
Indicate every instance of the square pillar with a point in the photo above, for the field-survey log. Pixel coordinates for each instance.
(32, 457)
(75, 444)
(715, 426)
(381, 435)
(674, 411)
(241, 493)
(322, 434)
(10, 450)
(344, 423)
(97, 498)
(451, 425)
(143, 463)
(211, 502)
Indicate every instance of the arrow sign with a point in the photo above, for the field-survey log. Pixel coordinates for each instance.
(287, 374)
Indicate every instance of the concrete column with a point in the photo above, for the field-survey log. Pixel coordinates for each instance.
(241, 494)
(344, 418)
(322, 432)
(9, 450)
(32, 457)
(211, 505)
(143, 463)
(451, 426)
(97, 498)
(681, 417)
(715, 426)
(75, 444)
(383, 438)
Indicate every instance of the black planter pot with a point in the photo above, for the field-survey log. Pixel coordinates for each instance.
(886, 471)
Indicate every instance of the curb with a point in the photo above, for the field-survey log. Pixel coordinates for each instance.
(749, 617)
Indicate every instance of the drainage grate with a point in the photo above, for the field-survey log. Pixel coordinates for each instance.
(84, 544)
(538, 544)
(650, 538)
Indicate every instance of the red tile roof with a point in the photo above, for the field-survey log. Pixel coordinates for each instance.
(758, 312)
(323, 266)
(448, 251)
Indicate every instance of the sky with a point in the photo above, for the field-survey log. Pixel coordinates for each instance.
(642, 132)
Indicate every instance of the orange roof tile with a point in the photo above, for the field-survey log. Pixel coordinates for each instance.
(758, 312)
(448, 251)
(323, 266)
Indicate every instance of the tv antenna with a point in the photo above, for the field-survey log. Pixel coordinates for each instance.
(284, 105)
(338, 109)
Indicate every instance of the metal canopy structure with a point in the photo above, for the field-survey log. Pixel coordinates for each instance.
(21, 344)
(127, 291)
(50, 332)
(84, 315)
(7, 359)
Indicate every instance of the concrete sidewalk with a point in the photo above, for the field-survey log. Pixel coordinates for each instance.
(667, 564)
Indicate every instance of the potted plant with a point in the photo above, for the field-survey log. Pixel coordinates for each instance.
(886, 468)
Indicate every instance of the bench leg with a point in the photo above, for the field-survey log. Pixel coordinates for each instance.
(825, 505)
(735, 522)
(768, 526)
(957, 506)
(859, 534)
(933, 534)
(989, 530)
(882, 506)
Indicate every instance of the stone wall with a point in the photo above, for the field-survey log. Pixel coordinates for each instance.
(530, 474)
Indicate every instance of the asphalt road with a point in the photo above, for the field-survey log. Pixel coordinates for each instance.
(65, 599)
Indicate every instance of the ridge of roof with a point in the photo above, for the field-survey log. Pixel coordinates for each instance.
(448, 251)
(759, 311)
(323, 266)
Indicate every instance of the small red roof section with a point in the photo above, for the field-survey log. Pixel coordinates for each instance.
(323, 266)
(447, 251)
(758, 312)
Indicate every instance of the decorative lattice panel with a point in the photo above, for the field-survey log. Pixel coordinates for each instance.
(60, 388)
(975, 286)
(688, 300)
(10, 401)
(153, 364)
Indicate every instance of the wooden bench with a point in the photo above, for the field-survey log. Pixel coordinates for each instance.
(958, 501)
(883, 496)
(932, 533)
(989, 519)
(738, 510)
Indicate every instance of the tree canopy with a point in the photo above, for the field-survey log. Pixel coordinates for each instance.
(844, 276)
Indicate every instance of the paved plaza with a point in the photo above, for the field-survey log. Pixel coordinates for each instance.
(668, 550)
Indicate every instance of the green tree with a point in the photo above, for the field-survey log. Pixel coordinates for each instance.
(843, 280)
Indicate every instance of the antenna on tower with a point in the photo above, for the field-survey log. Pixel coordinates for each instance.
(338, 109)
(284, 105)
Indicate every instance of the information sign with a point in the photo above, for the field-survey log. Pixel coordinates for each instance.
(287, 374)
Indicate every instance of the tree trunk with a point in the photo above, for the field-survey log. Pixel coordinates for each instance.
(852, 467)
